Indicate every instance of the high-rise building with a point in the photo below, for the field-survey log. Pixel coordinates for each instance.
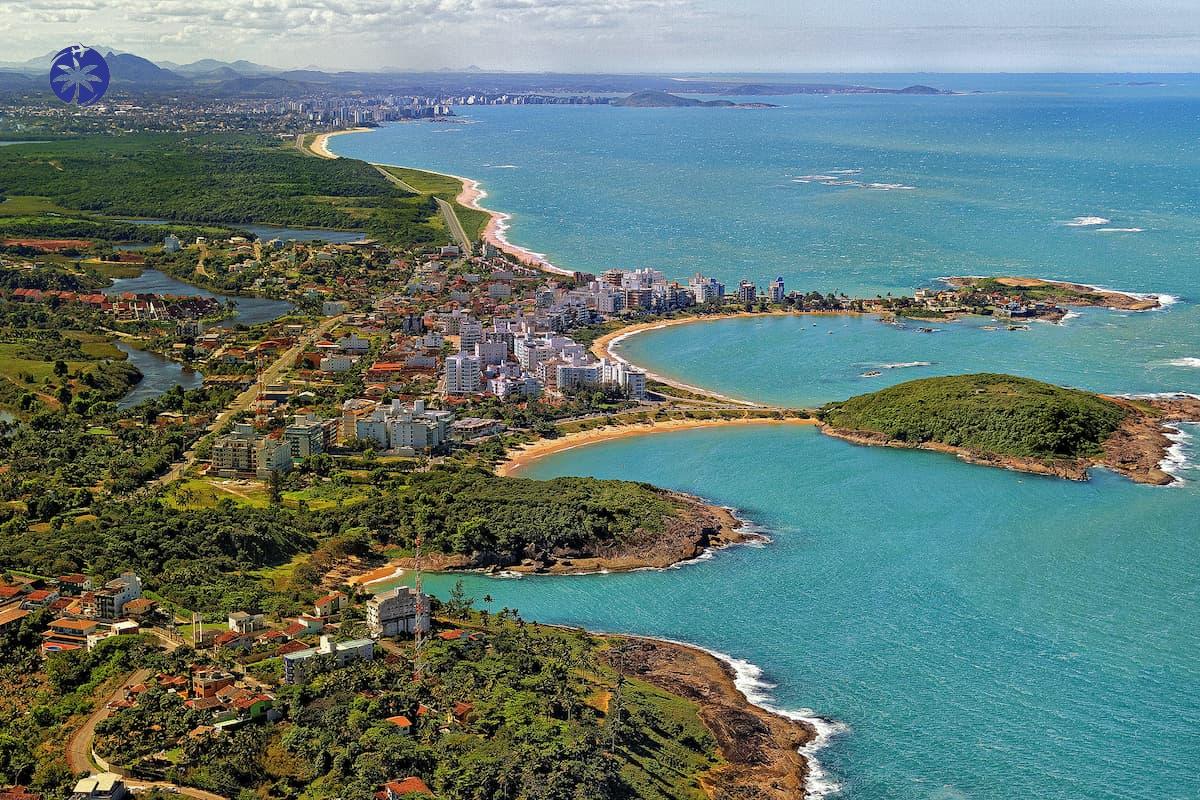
(777, 292)
(462, 374)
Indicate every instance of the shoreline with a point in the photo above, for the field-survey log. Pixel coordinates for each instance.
(526, 454)
(320, 144)
(768, 752)
(701, 528)
(1138, 449)
(494, 233)
(603, 346)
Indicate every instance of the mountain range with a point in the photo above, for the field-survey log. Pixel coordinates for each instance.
(211, 77)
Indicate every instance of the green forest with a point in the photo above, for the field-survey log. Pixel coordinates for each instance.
(988, 412)
(219, 179)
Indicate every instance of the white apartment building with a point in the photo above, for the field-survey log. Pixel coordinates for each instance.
(395, 612)
(463, 375)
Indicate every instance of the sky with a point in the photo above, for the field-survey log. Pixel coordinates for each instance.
(628, 35)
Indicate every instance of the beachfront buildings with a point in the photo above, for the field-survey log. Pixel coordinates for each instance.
(747, 292)
(706, 290)
(776, 293)
(298, 667)
(396, 612)
(463, 375)
(398, 427)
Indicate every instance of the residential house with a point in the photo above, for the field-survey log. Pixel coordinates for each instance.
(330, 604)
(299, 667)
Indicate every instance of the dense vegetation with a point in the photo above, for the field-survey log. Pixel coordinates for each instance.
(549, 720)
(986, 412)
(42, 701)
(222, 179)
(471, 511)
(207, 556)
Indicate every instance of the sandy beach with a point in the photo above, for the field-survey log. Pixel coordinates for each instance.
(495, 231)
(603, 347)
(529, 453)
(320, 145)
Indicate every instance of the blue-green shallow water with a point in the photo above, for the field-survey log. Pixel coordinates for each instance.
(982, 633)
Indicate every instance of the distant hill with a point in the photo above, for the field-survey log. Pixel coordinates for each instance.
(656, 99)
(206, 66)
(128, 68)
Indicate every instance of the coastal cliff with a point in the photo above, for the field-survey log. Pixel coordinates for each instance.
(760, 749)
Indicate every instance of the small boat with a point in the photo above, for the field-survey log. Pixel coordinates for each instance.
(927, 330)
(1018, 327)
(871, 373)
(990, 328)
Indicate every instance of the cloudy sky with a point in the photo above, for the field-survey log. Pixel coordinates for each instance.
(627, 35)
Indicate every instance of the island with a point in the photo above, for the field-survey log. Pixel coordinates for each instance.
(1030, 292)
(1016, 423)
(654, 99)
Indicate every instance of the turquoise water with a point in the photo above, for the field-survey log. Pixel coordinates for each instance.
(978, 633)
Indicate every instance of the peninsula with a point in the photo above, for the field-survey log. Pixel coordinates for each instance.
(1016, 423)
(1030, 291)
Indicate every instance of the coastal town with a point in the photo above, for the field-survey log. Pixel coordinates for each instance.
(233, 452)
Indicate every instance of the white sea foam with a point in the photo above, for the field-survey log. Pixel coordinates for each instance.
(1177, 461)
(504, 166)
(750, 681)
(1120, 230)
(906, 364)
(1087, 222)
(1069, 315)
(889, 187)
(1186, 361)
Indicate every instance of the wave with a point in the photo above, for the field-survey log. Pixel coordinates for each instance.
(906, 364)
(1177, 460)
(1120, 230)
(887, 187)
(750, 681)
(1069, 315)
(1186, 361)
(1087, 222)
(502, 166)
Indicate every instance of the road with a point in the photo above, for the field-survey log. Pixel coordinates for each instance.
(453, 223)
(244, 400)
(79, 746)
(455, 226)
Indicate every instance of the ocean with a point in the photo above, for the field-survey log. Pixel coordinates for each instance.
(967, 632)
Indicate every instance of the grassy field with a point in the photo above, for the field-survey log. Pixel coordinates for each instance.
(447, 188)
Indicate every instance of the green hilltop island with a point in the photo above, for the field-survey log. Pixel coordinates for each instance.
(1015, 423)
(656, 99)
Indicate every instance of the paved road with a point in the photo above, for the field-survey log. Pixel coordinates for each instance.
(244, 400)
(455, 226)
(453, 223)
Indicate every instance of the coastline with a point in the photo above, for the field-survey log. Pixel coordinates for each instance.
(524, 456)
(697, 530)
(320, 143)
(495, 233)
(603, 346)
(1138, 449)
(767, 752)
